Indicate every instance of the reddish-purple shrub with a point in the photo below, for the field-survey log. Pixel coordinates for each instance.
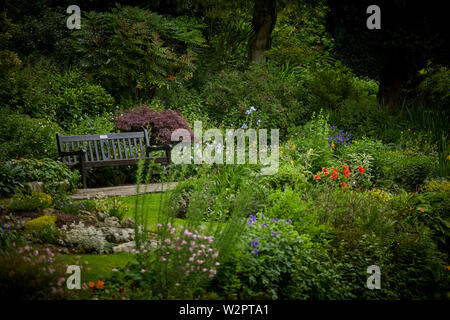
(160, 123)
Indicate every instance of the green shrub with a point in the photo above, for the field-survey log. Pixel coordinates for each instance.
(67, 97)
(118, 209)
(268, 247)
(48, 171)
(97, 124)
(406, 170)
(8, 236)
(310, 143)
(278, 102)
(289, 205)
(435, 88)
(22, 136)
(139, 51)
(35, 201)
(315, 276)
(368, 231)
(47, 234)
(432, 208)
(40, 223)
(288, 176)
(331, 87)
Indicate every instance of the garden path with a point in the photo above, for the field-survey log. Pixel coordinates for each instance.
(120, 191)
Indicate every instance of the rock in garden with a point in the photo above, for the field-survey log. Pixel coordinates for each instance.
(101, 216)
(85, 212)
(128, 223)
(35, 186)
(112, 222)
(117, 235)
(49, 211)
(124, 247)
(60, 186)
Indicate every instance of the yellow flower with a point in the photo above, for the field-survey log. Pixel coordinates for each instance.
(293, 147)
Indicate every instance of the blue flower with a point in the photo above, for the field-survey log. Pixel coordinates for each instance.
(290, 220)
(306, 160)
(265, 224)
(244, 126)
(250, 223)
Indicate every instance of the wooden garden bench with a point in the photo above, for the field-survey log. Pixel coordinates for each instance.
(106, 150)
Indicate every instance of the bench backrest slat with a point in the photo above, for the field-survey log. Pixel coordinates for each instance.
(130, 145)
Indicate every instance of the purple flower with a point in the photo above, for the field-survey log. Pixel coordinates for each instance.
(273, 234)
(255, 252)
(265, 224)
(255, 243)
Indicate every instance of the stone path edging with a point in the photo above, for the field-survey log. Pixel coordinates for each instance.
(120, 191)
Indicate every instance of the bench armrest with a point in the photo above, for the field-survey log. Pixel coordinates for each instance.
(166, 148)
(79, 153)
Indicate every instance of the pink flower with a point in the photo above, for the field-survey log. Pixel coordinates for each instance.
(159, 225)
(163, 259)
(200, 261)
(36, 252)
(204, 269)
(60, 281)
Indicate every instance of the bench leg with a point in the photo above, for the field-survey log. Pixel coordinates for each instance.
(84, 174)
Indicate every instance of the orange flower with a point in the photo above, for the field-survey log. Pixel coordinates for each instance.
(171, 77)
(421, 209)
(91, 284)
(100, 284)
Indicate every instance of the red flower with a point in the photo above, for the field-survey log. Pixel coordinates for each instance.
(100, 284)
(325, 171)
(347, 173)
(317, 176)
(360, 169)
(345, 167)
(334, 176)
(344, 185)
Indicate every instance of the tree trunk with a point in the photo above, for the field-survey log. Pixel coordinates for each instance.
(392, 80)
(264, 19)
(389, 91)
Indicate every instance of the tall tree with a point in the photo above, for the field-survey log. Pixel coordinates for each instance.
(411, 35)
(264, 19)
